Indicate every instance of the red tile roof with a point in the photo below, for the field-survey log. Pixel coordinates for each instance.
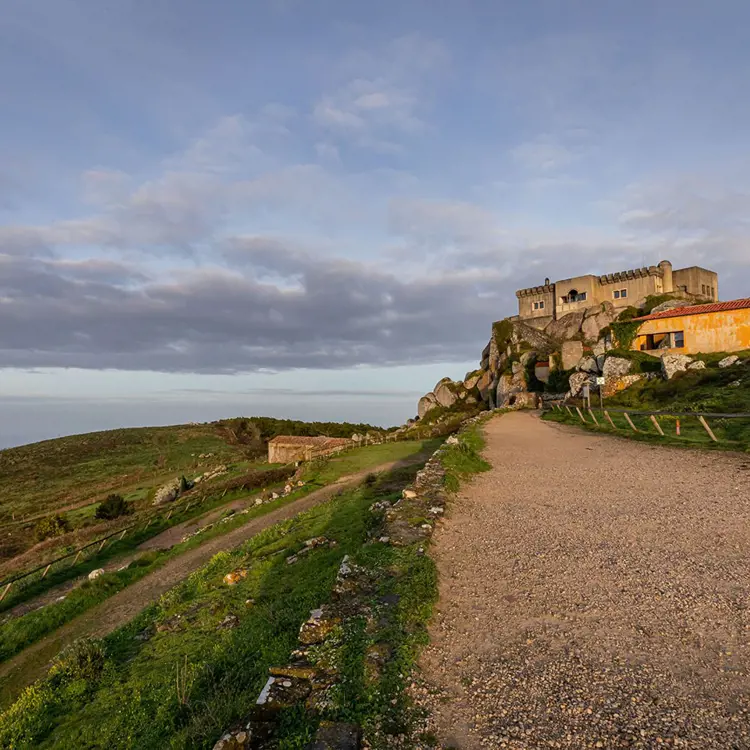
(681, 312)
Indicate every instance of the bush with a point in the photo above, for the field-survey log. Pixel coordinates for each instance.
(113, 507)
(50, 527)
(82, 660)
(559, 381)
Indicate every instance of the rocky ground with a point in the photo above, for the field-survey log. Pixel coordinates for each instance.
(594, 594)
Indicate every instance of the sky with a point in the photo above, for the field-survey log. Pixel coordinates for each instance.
(317, 209)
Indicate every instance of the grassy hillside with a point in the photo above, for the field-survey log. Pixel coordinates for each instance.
(70, 476)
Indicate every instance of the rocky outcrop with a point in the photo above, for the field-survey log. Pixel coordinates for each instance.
(671, 364)
(571, 353)
(566, 327)
(697, 365)
(578, 380)
(616, 367)
(445, 392)
(617, 384)
(426, 404)
(670, 304)
(596, 319)
(588, 364)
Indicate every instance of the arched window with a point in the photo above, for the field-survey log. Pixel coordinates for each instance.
(574, 296)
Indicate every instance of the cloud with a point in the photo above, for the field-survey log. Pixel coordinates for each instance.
(210, 320)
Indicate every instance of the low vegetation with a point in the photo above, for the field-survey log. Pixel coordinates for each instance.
(20, 632)
(192, 664)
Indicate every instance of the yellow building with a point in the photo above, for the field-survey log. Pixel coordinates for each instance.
(716, 327)
(540, 305)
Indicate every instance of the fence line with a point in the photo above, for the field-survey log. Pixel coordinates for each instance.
(653, 416)
(6, 584)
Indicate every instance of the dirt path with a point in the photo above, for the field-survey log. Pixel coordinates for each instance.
(123, 606)
(594, 593)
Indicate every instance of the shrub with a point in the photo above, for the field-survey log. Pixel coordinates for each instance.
(113, 507)
(82, 660)
(51, 526)
(559, 381)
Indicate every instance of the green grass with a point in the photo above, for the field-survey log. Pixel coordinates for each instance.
(463, 459)
(20, 632)
(137, 702)
(321, 473)
(732, 434)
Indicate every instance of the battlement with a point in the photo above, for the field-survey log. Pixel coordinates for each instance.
(635, 273)
(533, 290)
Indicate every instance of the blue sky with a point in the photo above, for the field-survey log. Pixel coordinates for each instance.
(317, 209)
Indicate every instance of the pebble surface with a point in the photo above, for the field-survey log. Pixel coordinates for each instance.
(594, 593)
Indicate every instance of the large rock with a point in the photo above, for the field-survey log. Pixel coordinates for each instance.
(571, 351)
(588, 364)
(494, 356)
(670, 304)
(524, 400)
(732, 359)
(445, 392)
(615, 385)
(578, 380)
(471, 379)
(671, 364)
(616, 367)
(427, 403)
(697, 365)
(167, 492)
(483, 385)
(566, 327)
(597, 318)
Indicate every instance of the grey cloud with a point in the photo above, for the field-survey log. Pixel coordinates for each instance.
(341, 314)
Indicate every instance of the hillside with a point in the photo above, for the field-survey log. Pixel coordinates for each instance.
(70, 476)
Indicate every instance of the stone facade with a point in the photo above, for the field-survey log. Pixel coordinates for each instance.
(286, 449)
(539, 306)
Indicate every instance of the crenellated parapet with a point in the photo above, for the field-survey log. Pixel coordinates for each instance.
(536, 290)
(635, 273)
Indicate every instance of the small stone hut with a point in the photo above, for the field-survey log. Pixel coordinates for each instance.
(284, 449)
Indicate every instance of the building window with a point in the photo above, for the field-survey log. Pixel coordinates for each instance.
(574, 296)
(541, 305)
(657, 341)
(703, 289)
(713, 293)
(620, 293)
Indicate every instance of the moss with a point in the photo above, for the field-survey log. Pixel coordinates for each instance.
(502, 331)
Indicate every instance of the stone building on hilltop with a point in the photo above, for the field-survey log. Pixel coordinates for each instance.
(540, 305)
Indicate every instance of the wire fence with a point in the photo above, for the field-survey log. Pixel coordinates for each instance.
(699, 428)
(80, 556)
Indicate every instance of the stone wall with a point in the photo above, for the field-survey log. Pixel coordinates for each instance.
(302, 681)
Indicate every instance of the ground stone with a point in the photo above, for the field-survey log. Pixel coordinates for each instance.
(671, 364)
(732, 359)
(571, 351)
(616, 367)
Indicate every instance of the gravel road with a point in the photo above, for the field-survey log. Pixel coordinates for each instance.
(595, 593)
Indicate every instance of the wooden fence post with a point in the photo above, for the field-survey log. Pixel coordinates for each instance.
(169, 515)
(580, 414)
(593, 416)
(46, 570)
(657, 425)
(5, 591)
(187, 507)
(569, 411)
(708, 429)
(124, 531)
(101, 546)
(677, 427)
(609, 419)
(630, 422)
(80, 552)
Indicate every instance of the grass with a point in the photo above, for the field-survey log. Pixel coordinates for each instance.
(20, 632)
(732, 434)
(70, 475)
(464, 458)
(174, 677)
(190, 679)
